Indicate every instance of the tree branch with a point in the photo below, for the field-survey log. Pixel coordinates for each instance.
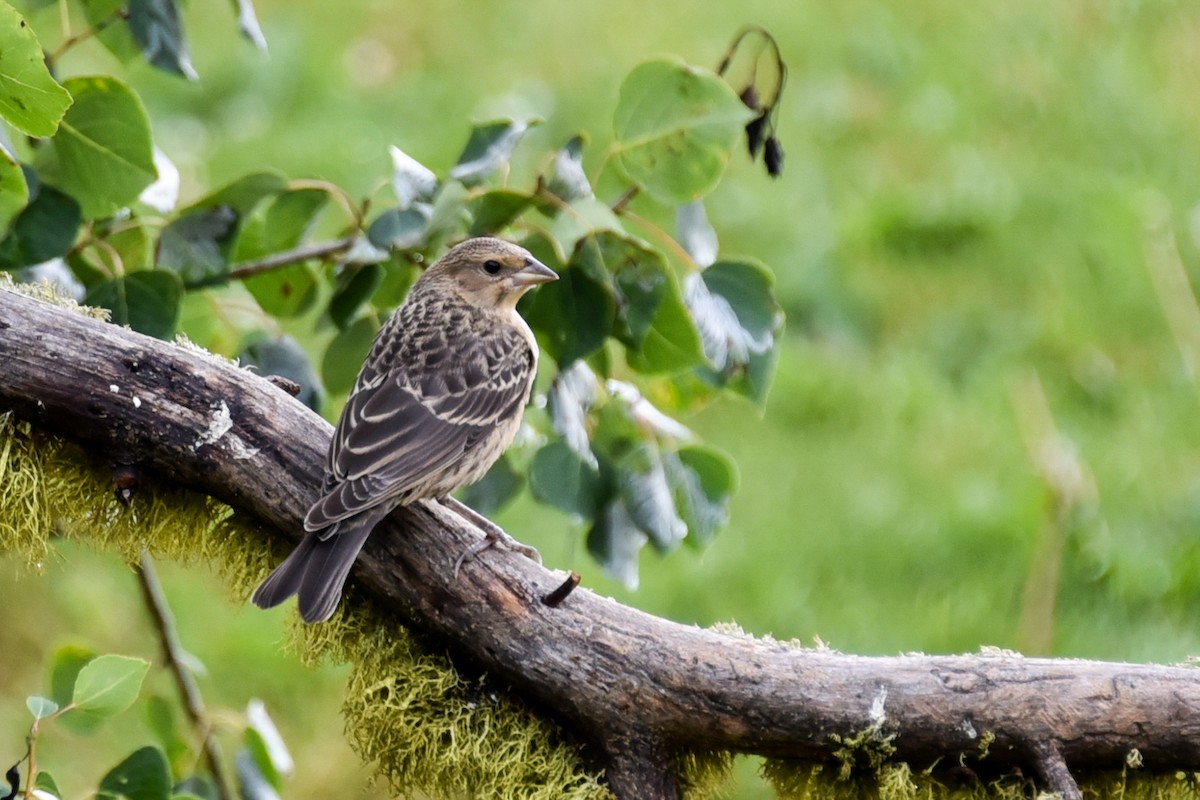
(621, 677)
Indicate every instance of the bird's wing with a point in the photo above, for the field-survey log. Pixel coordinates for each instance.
(405, 427)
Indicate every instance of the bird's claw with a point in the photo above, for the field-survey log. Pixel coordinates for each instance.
(496, 538)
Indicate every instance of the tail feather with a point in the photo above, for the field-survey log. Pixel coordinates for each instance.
(317, 569)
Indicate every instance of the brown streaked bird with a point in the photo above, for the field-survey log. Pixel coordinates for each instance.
(438, 400)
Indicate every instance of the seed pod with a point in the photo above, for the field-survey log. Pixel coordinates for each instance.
(773, 157)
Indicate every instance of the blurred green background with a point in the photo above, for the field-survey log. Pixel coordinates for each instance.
(983, 430)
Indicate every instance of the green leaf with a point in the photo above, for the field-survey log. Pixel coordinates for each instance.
(102, 154)
(702, 480)
(144, 775)
(411, 180)
(615, 542)
(355, 287)
(160, 718)
(675, 127)
(45, 782)
(572, 316)
(490, 147)
(282, 224)
(398, 277)
(696, 233)
(734, 307)
(266, 745)
(285, 292)
(30, 99)
(449, 207)
(345, 355)
(248, 24)
(642, 482)
(252, 783)
(158, 30)
(104, 17)
(494, 490)
(148, 301)
(672, 342)
(244, 193)
(45, 229)
(567, 179)
(639, 275)
(491, 211)
(68, 660)
(560, 478)
(107, 685)
(285, 357)
(40, 707)
(395, 229)
(14, 191)
(195, 245)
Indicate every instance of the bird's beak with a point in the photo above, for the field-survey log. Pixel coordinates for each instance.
(533, 273)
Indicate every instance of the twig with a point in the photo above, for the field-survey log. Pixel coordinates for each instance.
(83, 35)
(173, 655)
(302, 253)
(1052, 767)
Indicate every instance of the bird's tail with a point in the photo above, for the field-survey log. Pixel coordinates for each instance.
(317, 569)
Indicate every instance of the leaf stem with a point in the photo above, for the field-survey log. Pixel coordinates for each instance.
(83, 36)
(174, 656)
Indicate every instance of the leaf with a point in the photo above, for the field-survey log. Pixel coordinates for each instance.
(447, 213)
(14, 191)
(160, 718)
(399, 229)
(44, 782)
(148, 301)
(572, 395)
(560, 478)
(567, 179)
(104, 16)
(411, 179)
(489, 148)
(248, 24)
(30, 99)
(702, 481)
(675, 127)
(45, 229)
(284, 356)
(285, 292)
(40, 707)
(244, 193)
(495, 489)
(345, 355)
(144, 775)
(107, 685)
(572, 316)
(163, 194)
(696, 234)
(68, 660)
(491, 211)
(642, 482)
(734, 307)
(398, 277)
(672, 342)
(615, 542)
(269, 750)
(194, 245)
(252, 783)
(102, 154)
(158, 30)
(355, 287)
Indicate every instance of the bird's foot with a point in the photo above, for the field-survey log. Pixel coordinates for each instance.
(493, 536)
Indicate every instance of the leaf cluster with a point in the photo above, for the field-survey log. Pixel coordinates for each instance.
(642, 326)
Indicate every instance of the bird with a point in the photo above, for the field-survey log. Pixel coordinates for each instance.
(438, 400)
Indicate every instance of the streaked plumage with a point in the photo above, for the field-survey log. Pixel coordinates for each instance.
(438, 400)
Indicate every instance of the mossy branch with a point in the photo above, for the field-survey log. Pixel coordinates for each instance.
(641, 692)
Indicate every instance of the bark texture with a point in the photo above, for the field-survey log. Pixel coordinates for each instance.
(639, 687)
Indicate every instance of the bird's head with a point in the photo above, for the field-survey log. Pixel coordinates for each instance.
(489, 272)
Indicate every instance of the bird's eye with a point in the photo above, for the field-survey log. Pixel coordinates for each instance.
(491, 266)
